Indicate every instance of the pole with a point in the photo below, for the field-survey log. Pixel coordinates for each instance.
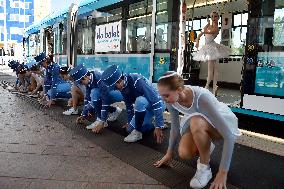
(182, 20)
(5, 26)
(153, 32)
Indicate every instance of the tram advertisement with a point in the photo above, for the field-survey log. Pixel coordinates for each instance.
(270, 73)
(108, 37)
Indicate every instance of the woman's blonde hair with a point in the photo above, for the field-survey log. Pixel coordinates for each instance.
(172, 80)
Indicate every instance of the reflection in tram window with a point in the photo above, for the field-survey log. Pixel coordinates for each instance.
(278, 38)
(239, 32)
(107, 16)
(138, 33)
(163, 26)
(85, 37)
(269, 77)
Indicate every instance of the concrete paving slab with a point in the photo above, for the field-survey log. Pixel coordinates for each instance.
(102, 185)
(14, 183)
(55, 184)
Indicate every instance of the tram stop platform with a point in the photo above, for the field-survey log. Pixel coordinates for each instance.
(42, 148)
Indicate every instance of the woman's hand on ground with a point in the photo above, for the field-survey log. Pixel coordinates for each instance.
(220, 180)
(165, 160)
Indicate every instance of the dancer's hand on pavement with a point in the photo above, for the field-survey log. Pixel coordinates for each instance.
(158, 133)
(99, 127)
(48, 104)
(165, 160)
(125, 126)
(80, 120)
(220, 180)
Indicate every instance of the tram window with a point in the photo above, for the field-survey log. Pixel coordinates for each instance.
(141, 8)
(238, 40)
(85, 37)
(239, 32)
(162, 5)
(196, 25)
(278, 33)
(108, 16)
(163, 31)
(240, 19)
(203, 22)
(139, 34)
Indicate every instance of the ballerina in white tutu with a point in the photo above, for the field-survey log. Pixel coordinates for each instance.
(211, 51)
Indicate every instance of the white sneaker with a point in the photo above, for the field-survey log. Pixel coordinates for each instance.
(71, 111)
(133, 136)
(114, 115)
(202, 176)
(93, 125)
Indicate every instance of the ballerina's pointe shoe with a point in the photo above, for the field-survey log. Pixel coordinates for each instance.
(215, 90)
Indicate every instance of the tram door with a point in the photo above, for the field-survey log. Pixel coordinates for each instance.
(233, 17)
(48, 41)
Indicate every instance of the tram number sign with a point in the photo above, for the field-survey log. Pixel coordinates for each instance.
(108, 37)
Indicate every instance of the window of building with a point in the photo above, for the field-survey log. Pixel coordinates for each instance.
(14, 17)
(15, 4)
(24, 18)
(138, 32)
(1, 3)
(27, 5)
(16, 31)
(2, 16)
(1, 30)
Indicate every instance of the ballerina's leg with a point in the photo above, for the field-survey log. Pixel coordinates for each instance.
(210, 73)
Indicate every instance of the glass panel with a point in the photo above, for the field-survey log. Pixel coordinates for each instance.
(107, 16)
(238, 40)
(203, 22)
(269, 77)
(85, 37)
(162, 5)
(139, 34)
(240, 19)
(64, 38)
(140, 8)
(278, 33)
(237, 19)
(163, 30)
(196, 25)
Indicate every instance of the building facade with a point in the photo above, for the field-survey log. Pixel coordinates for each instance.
(16, 15)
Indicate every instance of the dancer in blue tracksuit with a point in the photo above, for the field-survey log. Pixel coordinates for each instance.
(54, 86)
(98, 98)
(22, 81)
(138, 91)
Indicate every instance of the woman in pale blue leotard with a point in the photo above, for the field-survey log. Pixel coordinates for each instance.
(205, 119)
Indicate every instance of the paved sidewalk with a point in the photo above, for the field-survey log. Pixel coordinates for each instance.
(37, 152)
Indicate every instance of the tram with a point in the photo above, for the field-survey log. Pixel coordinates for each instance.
(151, 37)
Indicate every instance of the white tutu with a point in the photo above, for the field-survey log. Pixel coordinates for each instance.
(211, 50)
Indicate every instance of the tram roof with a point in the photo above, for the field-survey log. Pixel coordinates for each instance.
(85, 6)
